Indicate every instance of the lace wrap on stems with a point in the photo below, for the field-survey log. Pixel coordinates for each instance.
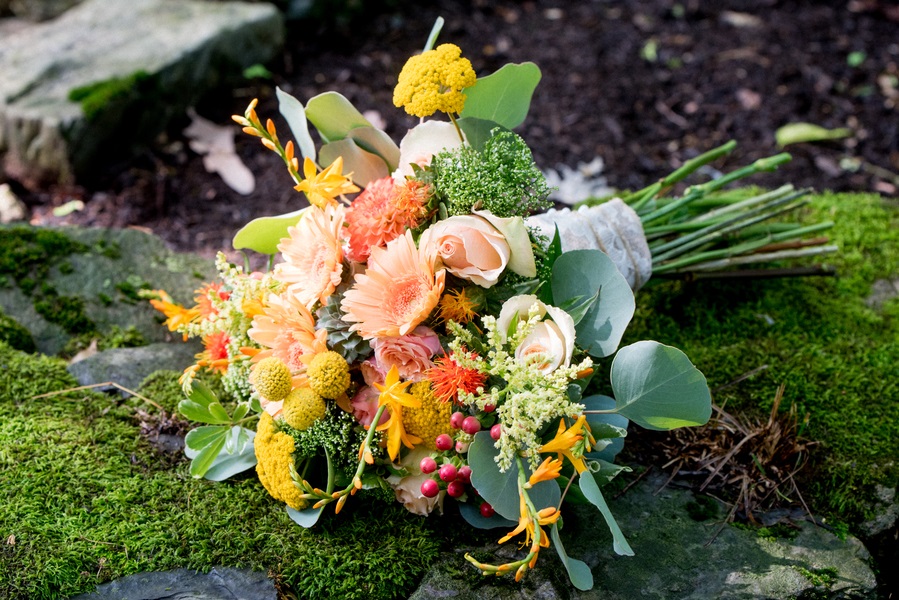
(612, 227)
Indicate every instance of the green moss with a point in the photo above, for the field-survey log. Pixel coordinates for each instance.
(16, 336)
(163, 388)
(23, 376)
(819, 577)
(104, 299)
(703, 508)
(815, 335)
(130, 289)
(95, 97)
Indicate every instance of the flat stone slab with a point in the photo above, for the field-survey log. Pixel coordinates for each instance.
(184, 584)
(162, 55)
(675, 557)
(128, 367)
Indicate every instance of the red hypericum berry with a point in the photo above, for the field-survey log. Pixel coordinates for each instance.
(455, 489)
(448, 472)
(443, 442)
(456, 420)
(471, 425)
(487, 510)
(430, 488)
(461, 447)
(496, 431)
(464, 474)
(427, 465)
(489, 408)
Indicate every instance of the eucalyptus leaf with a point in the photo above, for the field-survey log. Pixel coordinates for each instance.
(472, 515)
(293, 112)
(265, 233)
(599, 422)
(377, 142)
(578, 572)
(796, 133)
(590, 489)
(503, 96)
(578, 307)
(605, 471)
(499, 489)
(334, 116)
(478, 131)
(205, 457)
(307, 518)
(580, 273)
(657, 387)
(200, 437)
(359, 165)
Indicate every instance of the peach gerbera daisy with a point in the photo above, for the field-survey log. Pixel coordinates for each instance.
(313, 257)
(287, 330)
(397, 291)
(382, 212)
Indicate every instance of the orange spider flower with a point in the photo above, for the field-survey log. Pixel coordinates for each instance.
(528, 525)
(548, 469)
(176, 315)
(395, 397)
(565, 441)
(322, 188)
(448, 378)
(459, 305)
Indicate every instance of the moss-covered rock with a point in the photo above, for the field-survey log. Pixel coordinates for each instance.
(14, 334)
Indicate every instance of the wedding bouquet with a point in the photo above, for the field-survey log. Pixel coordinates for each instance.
(427, 337)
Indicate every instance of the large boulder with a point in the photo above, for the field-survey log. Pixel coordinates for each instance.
(676, 556)
(109, 72)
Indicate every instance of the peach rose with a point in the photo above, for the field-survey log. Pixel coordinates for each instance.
(410, 354)
(408, 489)
(471, 248)
(365, 406)
(422, 142)
(550, 344)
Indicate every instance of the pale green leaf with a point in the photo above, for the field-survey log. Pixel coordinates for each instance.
(578, 571)
(472, 515)
(361, 166)
(377, 142)
(600, 422)
(293, 112)
(334, 116)
(796, 133)
(477, 131)
(307, 518)
(265, 233)
(591, 491)
(205, 457)
(504, 96)
(580, 273)
(227, 464)
(200, 437)
(218, 412)
(657, 387)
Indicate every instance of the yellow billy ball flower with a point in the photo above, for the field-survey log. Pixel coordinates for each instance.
(434, 81)
(329, 374)
(429, 420)
(274, 453)
(272, 380)
(302, 408)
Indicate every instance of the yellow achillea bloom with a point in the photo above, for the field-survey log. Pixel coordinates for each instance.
(565, 442)
(395, 397)
(434, 81)
(274, 451)
(322, 188)
(429, 420)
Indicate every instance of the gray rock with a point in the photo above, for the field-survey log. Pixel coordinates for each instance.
(128, 367)
(163, 53)
(674, 559)
(107, 283)
(886, 512)
(39, 10)
(184, 584)
(882, 292)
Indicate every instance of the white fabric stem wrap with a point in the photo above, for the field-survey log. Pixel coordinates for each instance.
(612, 227)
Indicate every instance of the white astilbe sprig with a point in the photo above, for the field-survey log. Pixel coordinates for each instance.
(526, 400)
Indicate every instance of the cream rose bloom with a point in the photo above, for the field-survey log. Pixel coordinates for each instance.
(422, 142)
(408, 489)
(550, 344)
(471, 248)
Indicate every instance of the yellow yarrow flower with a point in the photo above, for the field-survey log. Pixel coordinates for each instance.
(329, 374)
(302, 408)
(434, 81)
(323, 188)
(271, 378)
(431, 418)
(274, 453)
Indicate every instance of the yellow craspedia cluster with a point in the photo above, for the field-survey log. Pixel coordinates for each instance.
(328, 374)
(274, 451)
(429, 420)
(302, 408)
(271, 378)
(434, 81)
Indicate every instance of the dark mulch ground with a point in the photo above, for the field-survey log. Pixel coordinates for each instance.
(644, 85)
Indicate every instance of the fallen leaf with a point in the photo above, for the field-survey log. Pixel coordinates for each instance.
(796, 133)
(86, 353)
(216, 144)
(68, 208)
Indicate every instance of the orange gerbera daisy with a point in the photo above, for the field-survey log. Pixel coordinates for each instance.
(448, 378)
(287, 330)
(382, 212)
(313, 258)
(397, 291)
(215, 354)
